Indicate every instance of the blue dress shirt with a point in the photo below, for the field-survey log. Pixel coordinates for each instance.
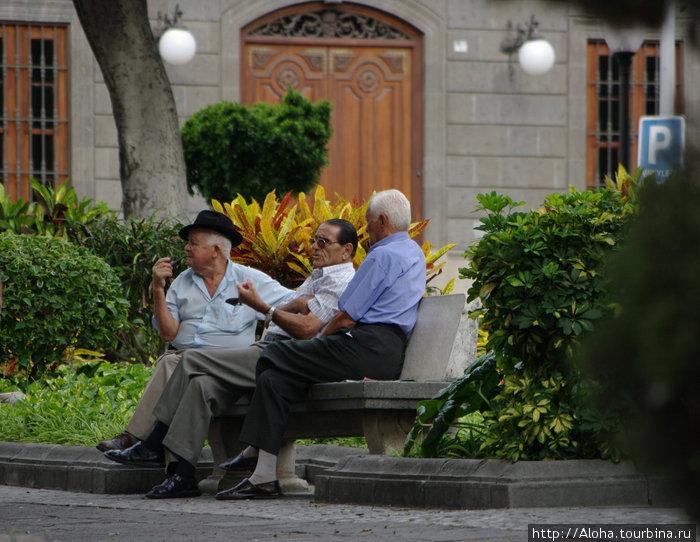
(388, 285)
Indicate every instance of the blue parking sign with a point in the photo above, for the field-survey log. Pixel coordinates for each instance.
(661, 143)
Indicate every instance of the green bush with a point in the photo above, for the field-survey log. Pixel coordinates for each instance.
(541, 282)
(129, 246)
(56, 296)
(233, 149)
(538, 274)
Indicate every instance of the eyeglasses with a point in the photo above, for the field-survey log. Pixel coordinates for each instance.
(321, 242)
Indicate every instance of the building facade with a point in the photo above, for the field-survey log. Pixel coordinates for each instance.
(424, 99)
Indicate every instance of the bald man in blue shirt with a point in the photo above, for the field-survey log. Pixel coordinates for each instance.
(365, 339)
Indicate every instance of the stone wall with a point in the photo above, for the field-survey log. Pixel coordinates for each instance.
(486, 124)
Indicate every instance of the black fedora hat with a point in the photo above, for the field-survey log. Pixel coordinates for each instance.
(218, 222)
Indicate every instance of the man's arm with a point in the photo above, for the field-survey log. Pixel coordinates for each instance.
(302, 324)
(167, 325)
(340, 320)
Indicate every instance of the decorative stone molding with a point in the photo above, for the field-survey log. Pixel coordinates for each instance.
(329, 23)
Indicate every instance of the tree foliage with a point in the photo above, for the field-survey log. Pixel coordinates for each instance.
(234, 149)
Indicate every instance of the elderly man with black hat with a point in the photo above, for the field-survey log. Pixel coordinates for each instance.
(194, 313)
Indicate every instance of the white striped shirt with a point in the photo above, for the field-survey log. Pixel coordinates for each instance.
(325, 284)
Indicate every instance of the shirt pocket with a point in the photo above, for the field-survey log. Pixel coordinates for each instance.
(234, 318)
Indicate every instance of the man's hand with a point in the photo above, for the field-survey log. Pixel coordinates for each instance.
(162, 271)
(248, 295)
(167, 325)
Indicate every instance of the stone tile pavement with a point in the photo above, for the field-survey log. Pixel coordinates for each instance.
(40, 515)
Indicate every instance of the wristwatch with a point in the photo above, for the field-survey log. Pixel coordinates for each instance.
(268, 315)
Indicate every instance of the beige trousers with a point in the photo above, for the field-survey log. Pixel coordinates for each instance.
(143, 420)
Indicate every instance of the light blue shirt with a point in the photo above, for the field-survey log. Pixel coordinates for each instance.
(207, 321)
(388, 285)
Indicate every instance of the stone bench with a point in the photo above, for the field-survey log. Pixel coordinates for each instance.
(381, 411)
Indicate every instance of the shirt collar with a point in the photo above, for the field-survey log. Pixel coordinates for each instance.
(394, 237)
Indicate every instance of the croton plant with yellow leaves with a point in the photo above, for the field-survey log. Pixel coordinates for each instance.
(277, 236)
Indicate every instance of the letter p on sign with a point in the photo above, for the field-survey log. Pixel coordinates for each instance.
(659, 139)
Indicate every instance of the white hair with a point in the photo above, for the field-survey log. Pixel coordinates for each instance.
(394, 205)
(224, 243)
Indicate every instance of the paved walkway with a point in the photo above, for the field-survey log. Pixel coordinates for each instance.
(39, 515)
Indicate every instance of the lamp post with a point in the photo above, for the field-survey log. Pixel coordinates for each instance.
(535, 54)
(623, 43)
(176, 45)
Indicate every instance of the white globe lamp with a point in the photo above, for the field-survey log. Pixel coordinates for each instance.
(536, 56)
(177, 46)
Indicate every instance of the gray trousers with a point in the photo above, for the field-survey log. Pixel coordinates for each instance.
(206, 383)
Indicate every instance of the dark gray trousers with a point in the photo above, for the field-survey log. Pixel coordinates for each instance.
(286, 370)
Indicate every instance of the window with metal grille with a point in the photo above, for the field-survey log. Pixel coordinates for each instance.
(33, 106)
(603, 100)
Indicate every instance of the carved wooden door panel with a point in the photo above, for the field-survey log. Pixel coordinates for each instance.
(375, 92)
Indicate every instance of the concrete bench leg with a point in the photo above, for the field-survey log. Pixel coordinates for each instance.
(386, 432)
(223, 439)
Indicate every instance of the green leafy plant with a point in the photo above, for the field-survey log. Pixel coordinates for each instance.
(56, 296)
(57, 212)
(235, 149)
(77, 405)
(645, 355)
(539, 274)
(447, 409)
(129, 246)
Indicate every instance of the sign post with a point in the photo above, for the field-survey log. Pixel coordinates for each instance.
(661, 143)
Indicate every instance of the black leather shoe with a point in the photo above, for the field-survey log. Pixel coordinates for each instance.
(240, 464)
(137, 455)
(120, 442)
(246, 490)
(175, 487)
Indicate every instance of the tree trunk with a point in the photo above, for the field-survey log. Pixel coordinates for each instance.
(151, 161)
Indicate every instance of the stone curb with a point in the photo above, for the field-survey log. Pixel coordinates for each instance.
(481, 484)
(78, 468)
(348, 475)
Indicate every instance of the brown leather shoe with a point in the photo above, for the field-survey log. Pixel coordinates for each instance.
(120, 442)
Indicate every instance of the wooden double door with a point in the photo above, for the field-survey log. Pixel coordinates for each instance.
(374, 86)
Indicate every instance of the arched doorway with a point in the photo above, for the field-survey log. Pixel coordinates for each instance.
(368, 64)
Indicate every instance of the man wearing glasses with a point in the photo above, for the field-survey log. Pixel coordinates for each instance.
(365, 339)
(208, 382)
